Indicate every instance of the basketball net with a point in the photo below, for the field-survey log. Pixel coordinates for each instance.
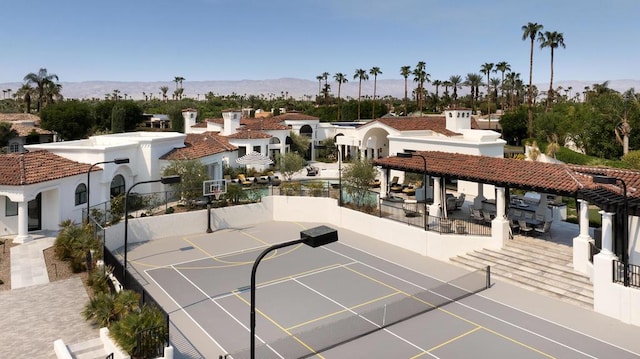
(216, 193)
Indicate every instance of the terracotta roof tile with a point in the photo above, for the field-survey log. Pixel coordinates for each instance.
(198, 145)
(248, 134)
(26, 130)
(13, 117)
(18, 169)
(264, 124)
(502, 172)
(434, 123)
(295, 116)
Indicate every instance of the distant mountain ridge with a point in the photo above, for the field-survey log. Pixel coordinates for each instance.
(293, 87)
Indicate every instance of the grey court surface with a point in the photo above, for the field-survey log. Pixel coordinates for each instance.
(338, 301)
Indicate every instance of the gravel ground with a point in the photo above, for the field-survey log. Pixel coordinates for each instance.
(57, 269)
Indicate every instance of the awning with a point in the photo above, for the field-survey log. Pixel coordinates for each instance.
(254, 159)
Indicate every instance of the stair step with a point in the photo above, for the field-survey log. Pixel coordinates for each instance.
(541, 251)
(562, 271)
(89, 349)
(575, 298)
(562, 278)
(540, 242)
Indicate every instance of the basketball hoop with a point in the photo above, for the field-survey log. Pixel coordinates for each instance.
(216, 193)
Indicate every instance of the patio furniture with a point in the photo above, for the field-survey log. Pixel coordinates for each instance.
(524, 227)
(375, 183)
(545, 229)
(460, 201)
(243, 180)
(312, 171)
(409, 190)
(395, 186)
(487, 216)
(476, 215)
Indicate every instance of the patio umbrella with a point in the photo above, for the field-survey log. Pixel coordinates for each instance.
(254, 159)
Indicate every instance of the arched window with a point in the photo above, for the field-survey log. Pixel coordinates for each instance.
(81, 194)
(117, 186)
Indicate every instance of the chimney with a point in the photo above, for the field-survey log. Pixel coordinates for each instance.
(231, 119)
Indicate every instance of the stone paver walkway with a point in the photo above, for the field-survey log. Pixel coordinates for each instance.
(34, 317)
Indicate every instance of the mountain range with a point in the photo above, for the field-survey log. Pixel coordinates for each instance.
(292, 87)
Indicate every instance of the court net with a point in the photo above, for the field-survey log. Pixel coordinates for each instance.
(307, 343)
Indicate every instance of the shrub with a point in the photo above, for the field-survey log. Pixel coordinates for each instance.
(73, 244)
(125, 331)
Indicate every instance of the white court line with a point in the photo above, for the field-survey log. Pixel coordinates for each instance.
(240, 251)
(186, 313)
(284, 280)
(227, 312)
(489, 299)
(355, 313)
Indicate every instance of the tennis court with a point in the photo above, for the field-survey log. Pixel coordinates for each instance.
(336, 302)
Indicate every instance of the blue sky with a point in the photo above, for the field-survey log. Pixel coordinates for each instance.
(200, 40)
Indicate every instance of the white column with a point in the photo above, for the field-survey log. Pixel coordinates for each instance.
(435, 209)
(607, 233)
(23, 223)
(500, 202)
(581, 243)
(606, 294)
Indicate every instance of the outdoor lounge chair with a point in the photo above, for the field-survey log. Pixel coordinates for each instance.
(476, 215)
(395, 186)
(312, 171)
(243, 180)
(375, 183)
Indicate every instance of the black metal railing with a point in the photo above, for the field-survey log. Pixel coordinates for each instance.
(150, 342)
(110, 356)
(632, 274)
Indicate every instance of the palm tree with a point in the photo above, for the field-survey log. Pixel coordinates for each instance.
(25, 94)
(531, 31)
(511, 79)
(456, 82)
(473, 81)
(437, 84)
(503, 67)
(553, 40)
(340, 79)
(52, 93)
(375, 71)
(319, 78)
(420, 76)
(360, 74)
(495, 83)
(405, 71)
(487, 67)
(40, 79)
(163, 92)
(325, 77)
(623, 129)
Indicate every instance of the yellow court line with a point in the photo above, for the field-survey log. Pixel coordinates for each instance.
(342, 311)
(455, 315)
(299, 274)
(446, 342)
(281, 327)
(254, 237)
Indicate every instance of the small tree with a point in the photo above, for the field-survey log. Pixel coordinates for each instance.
(193, 173)
(289, 163)
(118, 115)
(300, 144)
(357, 178)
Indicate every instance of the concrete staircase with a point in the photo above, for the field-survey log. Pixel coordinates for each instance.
(535, 264)
(91, 349)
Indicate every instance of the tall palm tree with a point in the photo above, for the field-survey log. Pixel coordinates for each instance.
(340, 79)
(405, 71)
(24, 93)
(325, 77)
(319, 78)
(163, 92)
(487, 67)
(40, 80)
(473, 81)
(360, 74)
(375, 71)
(456, 83)
(437, 84)
(503, 67)
(552, 40)
(420, 76)
(531, 31)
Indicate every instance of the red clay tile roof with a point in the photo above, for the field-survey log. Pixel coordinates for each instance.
(248, 134)
(295, 116)
(502, 172)
(26, 130)
(198, 145)
(17, 169)
(434, 123)
(13, 117)
(264, 124)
